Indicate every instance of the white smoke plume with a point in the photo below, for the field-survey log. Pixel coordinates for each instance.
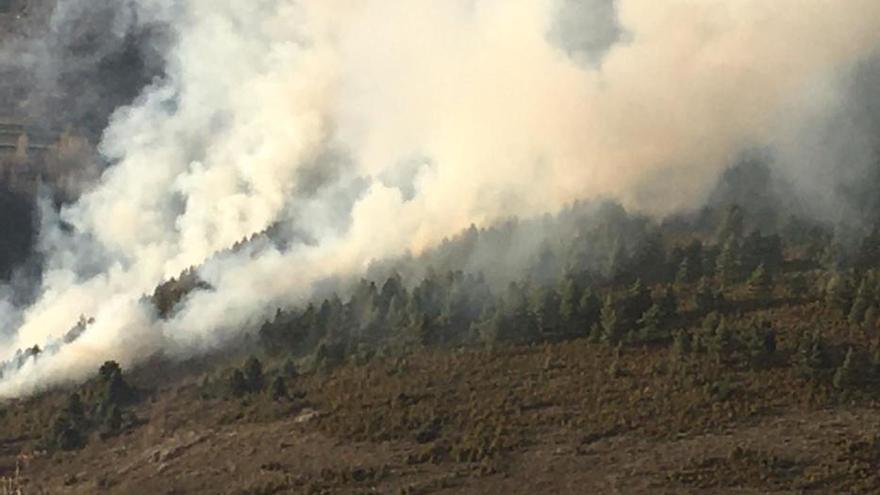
(374, 127)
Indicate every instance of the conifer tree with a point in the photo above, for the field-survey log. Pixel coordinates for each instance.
(650, 325)
(732, 225)
(612, 330)
(668, 305)
(253, 375)
(545, 308)
(617, 262)
(705, 297)
(569, 311)
(727, 265)
(681, 344)
(838, 294)
(636, 301)
(870, 322)
(813, 355)
(590, 308)
(67, 430)
(760, 284)
(797, 286)
(760, 345)
(861, 303)
(237, 383)
(684, 274)
(722, 344)
(279, 388)
(847, 375)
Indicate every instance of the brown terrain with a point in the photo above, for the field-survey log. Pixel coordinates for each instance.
(573, 417)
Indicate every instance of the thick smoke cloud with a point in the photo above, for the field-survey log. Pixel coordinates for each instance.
(73, 62)
(373, 127)
(829, 152)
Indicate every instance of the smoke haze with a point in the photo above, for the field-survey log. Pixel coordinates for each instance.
(365, 129)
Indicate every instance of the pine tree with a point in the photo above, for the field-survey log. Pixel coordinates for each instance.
(67, 431)
(703, 339)
(668, 305)
(614, 369)
(681, 344)
(569, 310)
(612, 331)
(545, 307)
(732, 225)
(237, 383)
(396, 317)
(727, 265)
(874, 371)
(521, 326)
(722, 344)
(279, 388)
(649, 258)
(705, 297)
(847, 375)
(838, 294)
(760, 345)
(253, 375)
(684, 274)
(861, 303)
(650, 325)
(870, 322)
(617, 262)
(636, 301)
(590, 308)
(760, 284)
(490, 327)
(813, 355)
(113, 422)
(797, 286)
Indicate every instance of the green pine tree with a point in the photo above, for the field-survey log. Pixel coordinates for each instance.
(727, 266)
(813, 357)
(721, 344)
(861, 303)
(612, 330)
(838, 294)
(253, 374)
(650, 329)
(760, 284)
(705, 297)
(569, 311)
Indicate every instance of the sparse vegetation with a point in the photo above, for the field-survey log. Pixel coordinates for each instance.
(670, 339)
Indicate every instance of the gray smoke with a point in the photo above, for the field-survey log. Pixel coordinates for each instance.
(828, 147)
(369, 129)
(74, 62)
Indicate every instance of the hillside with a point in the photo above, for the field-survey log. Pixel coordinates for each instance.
(742, 364)
(550, 418)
